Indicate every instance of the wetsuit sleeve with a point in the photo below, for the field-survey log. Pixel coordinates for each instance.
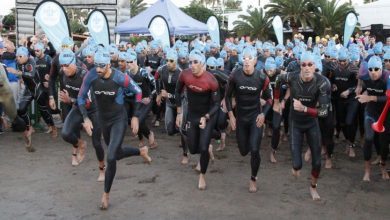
(52, 50)
(267, 95)
(152, 81)
(323, 101)
(221, 77)
(229, 92)
(126, 82)
(179, 88)
(158, 79)
(53, 77)
(83, 93)
(280, 80)
(215, 96)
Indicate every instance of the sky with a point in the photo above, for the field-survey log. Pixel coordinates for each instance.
(6, 5)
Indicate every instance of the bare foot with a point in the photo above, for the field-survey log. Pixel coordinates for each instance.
(212, 158)
(367, 171)
(385, 174)
(351, 153)
(272, 157)
(141, 143)
(222, 145)
(53, 131)
(197, 168)
(144, 153)
(252, 186)
(185, 160)
(376, 161)
(296, 173)
(307, 155)
(82, 145)
(152, 141)
(27, 137)
(314, 194)
(366, 177)
(328, 163)
(104, 202)
(75, 162)
(101, 176)
(202, 182)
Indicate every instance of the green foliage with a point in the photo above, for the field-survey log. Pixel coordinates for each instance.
(76, 27)
(299, 13)
(330, 17)
(9, 20)
(254, 24)
(136, 7)
(198, 12)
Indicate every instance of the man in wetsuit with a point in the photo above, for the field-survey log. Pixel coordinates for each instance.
(73, 75)
(107, 85)
(27, 69)
(203, 103)
(308, 90)
(167, 76)
(248, 84)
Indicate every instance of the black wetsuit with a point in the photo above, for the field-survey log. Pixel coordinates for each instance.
(248, 89)
(34, 90)
(306, 123)
(112, 114)
(73, 122)
(203, 98)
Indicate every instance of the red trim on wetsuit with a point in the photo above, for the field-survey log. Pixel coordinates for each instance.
(156, 75)
(312, 112)
(315, 173)
(127, 80)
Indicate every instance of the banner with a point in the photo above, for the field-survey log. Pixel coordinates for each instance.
(98, 27)
(158, 28)
(350, 24)
(278, 28)
(51, 17)
(213, 27)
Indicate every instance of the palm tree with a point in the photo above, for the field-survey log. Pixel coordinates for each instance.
(136, 7)
(254, 24)
(369, 1)
(297, 12)
(330, 16)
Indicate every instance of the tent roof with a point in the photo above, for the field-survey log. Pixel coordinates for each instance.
(374, 13)
(179, 23)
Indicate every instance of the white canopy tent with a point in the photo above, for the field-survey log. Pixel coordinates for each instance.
(374, 13)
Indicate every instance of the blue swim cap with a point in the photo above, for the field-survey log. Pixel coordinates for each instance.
(197, 55)
(212, 62)
(307, 56)
(89, 50)
(183, 52)
(223, 54)
(387, 55)
(171, 54)
(375, 62)
(39, 46)
(249, 51)
(279, 61)
(378, 48)
(131, 56)
(67, 57)
(102, 56)
(354, 56)
(113, 49)
(67, 42)
(318, 62)
(122, 56)
(270, 63)
(22, 51)
(343, 54)
(220, 62)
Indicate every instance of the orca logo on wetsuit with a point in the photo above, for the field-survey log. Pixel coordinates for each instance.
(72, 87)
(195, 87)
(104, 93)
(304, 99)
(248, 88)
(375, 90)
(341, 78)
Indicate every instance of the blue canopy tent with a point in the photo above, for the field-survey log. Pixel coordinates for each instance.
(179, 22)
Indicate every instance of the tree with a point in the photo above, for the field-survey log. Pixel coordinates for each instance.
(198, 12)
(255, 24)
(330, 17)
(136, 7)
(233, 4)
(76, 27)
(298, 13)
(206, 2)
(9, 20)
(369, 1)
(76, 19)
